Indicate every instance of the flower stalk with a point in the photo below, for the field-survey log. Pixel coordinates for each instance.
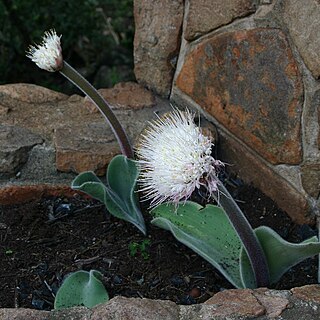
(48, 56)
(245, 232)
(73, 76)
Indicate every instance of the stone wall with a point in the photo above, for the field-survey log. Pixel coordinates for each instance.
(252, 68)
(48, 137)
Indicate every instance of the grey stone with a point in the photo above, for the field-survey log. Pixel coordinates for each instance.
(310, 176)
(318, 111)
(16, 142)
(120, 308)
(207, 15)
(41, 167)
(79, 313)
(157, 42)
(291, 173)
(311, 122)
(303, 21)
(23, 314)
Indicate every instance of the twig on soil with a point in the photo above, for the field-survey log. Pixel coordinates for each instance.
(87, 261)
(49, 288)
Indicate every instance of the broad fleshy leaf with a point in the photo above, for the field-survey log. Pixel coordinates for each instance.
(81, 288)
(207, 231)
(281, 255)
(119, 194)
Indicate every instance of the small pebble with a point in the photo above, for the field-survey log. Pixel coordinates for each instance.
(38, 303)
(117, 279)
(195, 292)
(177, 281)
(3, 226)
(62, 209)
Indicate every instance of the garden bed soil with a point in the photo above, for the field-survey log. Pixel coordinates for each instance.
(44, 240)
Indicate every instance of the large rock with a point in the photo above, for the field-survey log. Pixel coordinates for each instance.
(156, 42)
(120, 308)
(318, 109)
(251, 302)
(30, 93)
(75, 136)
(249, 81)
(244, 305)
(86, 147)
(16, 142)
(128, 95)
(204, 16)
(303, 21)
(308, 293)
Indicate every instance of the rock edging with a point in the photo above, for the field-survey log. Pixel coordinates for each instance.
(295, 304)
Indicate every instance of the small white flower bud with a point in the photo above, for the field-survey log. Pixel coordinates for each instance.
(47, 55)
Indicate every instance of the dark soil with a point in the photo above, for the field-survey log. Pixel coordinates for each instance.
(42, 241)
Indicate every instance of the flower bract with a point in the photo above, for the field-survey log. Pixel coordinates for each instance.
(47, 55)
(175, 159)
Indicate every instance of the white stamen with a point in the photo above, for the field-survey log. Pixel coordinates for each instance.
(175, 158)
(47, 55)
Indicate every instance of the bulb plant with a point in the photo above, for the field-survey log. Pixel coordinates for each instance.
(118, 194)
(173, 159)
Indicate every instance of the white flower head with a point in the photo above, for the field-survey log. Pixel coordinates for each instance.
(47, 55)
(175, 159)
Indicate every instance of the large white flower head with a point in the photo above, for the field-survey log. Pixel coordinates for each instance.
(47, 55)
(175, 159)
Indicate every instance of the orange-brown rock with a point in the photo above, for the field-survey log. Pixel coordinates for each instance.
(87, 147)
(310, 293)
(243, 304)
(30, 93)
(125, 95)
(273, 302)
(16, 194)
(249, 81)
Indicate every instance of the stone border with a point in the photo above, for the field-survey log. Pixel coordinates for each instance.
(296, 304)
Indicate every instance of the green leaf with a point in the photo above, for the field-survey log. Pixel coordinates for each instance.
(119, 194)
(281, 255)
(207, 231)
(81, 288)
